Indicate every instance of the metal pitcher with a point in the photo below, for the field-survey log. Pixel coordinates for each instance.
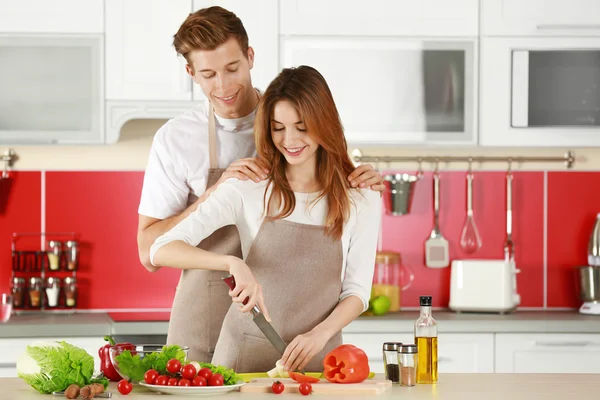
(401, 193)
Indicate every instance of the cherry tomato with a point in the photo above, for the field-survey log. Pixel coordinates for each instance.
(173, 382)
(173, 365)
(150, 376)
(216, 380)
(277, 387)
(206, 373)
(184, 382)
(124, 386)
(199, 381)
(162, 380)
(305, 388)
(188, 371)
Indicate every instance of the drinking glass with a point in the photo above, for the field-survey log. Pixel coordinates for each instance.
(6, 309)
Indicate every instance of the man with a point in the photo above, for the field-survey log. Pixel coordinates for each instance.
(193, 153)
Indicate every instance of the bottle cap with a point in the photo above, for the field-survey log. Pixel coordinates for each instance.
(409, 349)
(393, 346)
(426, 301)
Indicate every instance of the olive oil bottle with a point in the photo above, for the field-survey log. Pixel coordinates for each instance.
(426, 339)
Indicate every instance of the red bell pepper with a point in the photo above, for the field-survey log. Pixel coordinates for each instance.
(301, 378)
(346, 364)
(106, 366)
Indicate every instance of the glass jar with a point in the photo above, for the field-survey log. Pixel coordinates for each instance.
(390, 361)
(408, 358)
(72, 255)
(55, 248)
(387, 278)
(35, 292)
(52, 291)
(70, 290)
(18, 290)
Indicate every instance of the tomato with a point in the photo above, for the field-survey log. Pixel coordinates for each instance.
(206, 373)
(188, 371)
(150, 376)
(199, 381)
(184, 382)
(277, 387)
(124, 386)
(173, 365)
(300, 378)
(216, 380)
(305, 388)
(346, 364)
(173, 382)
(162, 380)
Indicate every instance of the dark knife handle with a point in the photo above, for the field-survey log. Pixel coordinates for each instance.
(230, 281)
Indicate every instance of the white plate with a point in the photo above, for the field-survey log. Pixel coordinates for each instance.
(193, 390)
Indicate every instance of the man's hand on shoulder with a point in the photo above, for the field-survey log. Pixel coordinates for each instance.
(365, 176)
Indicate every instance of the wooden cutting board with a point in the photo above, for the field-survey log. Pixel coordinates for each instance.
(370, 386)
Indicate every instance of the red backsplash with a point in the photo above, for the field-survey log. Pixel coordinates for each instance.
(102, 208)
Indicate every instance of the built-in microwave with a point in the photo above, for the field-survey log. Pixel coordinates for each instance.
(540, 91)
(51, 88)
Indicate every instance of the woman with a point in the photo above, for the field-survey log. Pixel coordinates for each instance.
(307, 237)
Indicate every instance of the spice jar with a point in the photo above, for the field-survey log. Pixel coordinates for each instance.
(390, 361)
(70, 292)
(18, 288)
(52, 291)
(35, 292)
(409, 359)
(54, 254)
(72, 255)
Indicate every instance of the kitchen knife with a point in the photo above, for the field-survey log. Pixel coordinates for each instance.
(260, 321)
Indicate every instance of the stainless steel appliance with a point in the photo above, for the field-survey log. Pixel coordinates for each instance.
(589, 289)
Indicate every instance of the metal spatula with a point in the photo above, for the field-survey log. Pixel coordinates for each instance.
(436, 247)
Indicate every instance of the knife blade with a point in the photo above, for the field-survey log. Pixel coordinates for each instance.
(259, 319)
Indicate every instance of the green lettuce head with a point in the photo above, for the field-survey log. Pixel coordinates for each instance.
(53, 366)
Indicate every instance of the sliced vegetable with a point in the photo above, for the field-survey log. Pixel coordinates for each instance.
(281, 370)
(301, 378)
(346, 364)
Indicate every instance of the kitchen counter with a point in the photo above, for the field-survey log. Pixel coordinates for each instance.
(83, 324)
(449, 387)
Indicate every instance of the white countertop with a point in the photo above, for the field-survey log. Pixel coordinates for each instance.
(449, 387)
(100, 324)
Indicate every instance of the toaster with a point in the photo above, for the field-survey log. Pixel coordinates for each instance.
(483, 286)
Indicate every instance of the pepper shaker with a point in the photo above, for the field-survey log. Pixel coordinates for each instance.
(70, 292)
(390, 361)
(35, 292)
(409, 360)
(72, 255)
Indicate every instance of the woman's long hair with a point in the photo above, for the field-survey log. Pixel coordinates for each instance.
(307, 90)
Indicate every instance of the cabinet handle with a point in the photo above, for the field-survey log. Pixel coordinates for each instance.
(562, 344)
(562, 27)
(444, 359)
(8, 365)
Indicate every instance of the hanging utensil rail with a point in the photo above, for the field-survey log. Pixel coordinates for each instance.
(568, 158)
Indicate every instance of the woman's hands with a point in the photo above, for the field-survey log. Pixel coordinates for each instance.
(303, 348)
(246, 286)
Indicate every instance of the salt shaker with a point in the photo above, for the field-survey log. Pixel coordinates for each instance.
(390, 361)
(52, 291)
(409, 359)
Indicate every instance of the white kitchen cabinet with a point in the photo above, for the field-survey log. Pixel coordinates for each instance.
(547, 353)
(141, 62)
(457, 352)
(260, 19)
(425, 90)
(540, 17)
(11, 349)
(386, 17)
(51, 16)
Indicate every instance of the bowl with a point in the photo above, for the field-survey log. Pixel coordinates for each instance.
(142, 351)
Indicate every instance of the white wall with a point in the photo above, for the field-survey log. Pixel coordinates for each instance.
(131, 153)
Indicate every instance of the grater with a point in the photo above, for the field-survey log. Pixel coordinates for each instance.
(436, 246)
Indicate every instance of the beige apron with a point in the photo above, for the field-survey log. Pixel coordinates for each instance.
(202, 298)
(299, 268)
